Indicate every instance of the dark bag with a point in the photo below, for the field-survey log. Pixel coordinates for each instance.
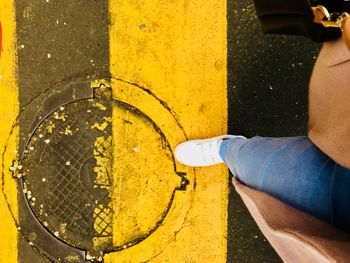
(295, 17)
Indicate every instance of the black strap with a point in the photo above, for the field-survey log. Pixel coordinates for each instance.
(293, 17)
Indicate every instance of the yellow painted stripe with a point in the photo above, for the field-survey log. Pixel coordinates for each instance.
(8, 114)
(177, 50)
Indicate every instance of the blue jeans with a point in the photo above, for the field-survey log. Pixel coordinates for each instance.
(294, 171)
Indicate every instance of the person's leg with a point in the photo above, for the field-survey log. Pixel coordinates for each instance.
(293, 170)
(341, 198)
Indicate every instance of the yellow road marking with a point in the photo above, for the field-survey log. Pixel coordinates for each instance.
(8, 114)
(177, 50)
(144, 176)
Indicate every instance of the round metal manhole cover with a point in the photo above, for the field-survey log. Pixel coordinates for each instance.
(99, 174)
(67, 163)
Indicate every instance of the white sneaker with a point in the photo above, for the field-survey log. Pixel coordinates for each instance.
(201, 152)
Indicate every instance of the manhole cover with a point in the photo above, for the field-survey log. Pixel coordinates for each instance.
(97, 173)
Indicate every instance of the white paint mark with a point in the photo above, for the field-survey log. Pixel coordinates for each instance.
(89, 257)
(136, 149)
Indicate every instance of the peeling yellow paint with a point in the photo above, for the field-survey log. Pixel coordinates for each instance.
(177, 51)
(99, 106)
(108, 119)
(50, 128)
(8, 113)
(103, 157)
(62, 117)
(103, 213)
(68, 131)
(100, 126)
(98, 82)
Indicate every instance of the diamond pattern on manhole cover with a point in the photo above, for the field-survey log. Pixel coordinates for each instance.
(67, 168)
